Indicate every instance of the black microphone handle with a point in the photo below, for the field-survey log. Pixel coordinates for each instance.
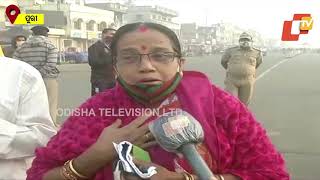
(198, 165)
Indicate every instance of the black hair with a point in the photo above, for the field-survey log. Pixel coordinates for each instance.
(107, 30)
(40, 32)
(134, 26)
(13, 41)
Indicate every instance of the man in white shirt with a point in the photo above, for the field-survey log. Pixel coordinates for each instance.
(25, 121)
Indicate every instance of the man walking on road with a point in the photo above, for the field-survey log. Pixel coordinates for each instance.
(43, 55)
(241, 63)
(100, 60)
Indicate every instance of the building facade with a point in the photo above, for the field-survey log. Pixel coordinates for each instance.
(189, 33)
(117, 8)
(86, 24)
(72, 24)
(155, 14)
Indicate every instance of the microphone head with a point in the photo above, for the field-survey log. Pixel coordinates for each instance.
(176, 128)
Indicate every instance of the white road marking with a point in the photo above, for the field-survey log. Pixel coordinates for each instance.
(274, 133)
(271, 68)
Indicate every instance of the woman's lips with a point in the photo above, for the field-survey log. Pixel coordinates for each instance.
(150, 81)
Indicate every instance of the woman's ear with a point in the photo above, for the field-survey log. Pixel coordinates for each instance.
(182, 61)
(181, 66)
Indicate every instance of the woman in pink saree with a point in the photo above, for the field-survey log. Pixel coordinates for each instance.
(149, 70)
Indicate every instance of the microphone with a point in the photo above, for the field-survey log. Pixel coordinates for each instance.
(179, 131)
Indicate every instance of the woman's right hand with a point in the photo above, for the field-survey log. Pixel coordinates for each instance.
(102, 152)
(136, 132)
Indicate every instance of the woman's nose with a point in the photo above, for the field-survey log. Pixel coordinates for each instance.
(145, 64)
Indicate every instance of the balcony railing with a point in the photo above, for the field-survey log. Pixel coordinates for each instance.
(166, 11)
(117, 7)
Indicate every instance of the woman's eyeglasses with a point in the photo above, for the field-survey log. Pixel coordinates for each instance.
(155, 57)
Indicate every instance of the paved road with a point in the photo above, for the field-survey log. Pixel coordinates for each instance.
(286, 102)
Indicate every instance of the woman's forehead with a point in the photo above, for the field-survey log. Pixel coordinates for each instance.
(144, 40)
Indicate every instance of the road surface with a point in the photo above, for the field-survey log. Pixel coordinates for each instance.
(286, 102)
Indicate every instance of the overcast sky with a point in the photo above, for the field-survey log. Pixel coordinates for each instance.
(264, 16)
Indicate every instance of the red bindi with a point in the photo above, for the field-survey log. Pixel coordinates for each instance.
(143, 28)
(143, 47)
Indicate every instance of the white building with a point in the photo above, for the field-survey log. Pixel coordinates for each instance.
(155, 14)
(227, 34)
(189, 33)
(119, 9)
(87, 24)
(81, 25)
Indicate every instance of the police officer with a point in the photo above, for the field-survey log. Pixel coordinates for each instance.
(241, 63)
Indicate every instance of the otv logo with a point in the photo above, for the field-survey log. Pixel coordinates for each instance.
(306, 24)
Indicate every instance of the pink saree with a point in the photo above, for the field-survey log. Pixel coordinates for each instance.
(236, 141)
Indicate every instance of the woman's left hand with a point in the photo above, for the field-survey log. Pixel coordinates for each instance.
(162, 173)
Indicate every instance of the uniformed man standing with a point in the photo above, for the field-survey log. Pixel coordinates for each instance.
(241, 63)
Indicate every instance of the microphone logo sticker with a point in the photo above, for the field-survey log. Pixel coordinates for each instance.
(175, 125)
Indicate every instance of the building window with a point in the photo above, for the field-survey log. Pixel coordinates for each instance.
(154, 17)
(102, 26)
(78, 24)
(67, 43)
(90, 25)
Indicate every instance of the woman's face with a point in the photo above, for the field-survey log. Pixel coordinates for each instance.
(160, 67)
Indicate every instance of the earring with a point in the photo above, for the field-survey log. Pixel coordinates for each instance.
(115, 72)
(181, 73)
(179, 70)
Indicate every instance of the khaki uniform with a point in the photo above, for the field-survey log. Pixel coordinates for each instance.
(53, 93)
(241, 65)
